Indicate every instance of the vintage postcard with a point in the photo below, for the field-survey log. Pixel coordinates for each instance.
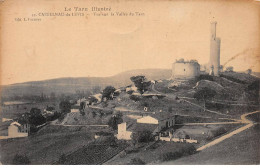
(129, 82)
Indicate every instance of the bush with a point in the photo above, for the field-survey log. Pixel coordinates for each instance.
(135, 98)
(108, 93)
(115, 120)
(205, 77)
(142, 136)
(136, 161)
(177, 154)
(21, 160)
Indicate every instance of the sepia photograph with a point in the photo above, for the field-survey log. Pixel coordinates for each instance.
(129, 82)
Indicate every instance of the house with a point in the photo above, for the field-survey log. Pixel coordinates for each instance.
(16, 130)
(131, 88)
(98, 97)
(154, 122)
(75, 109)
(162, 119)
(49, 111)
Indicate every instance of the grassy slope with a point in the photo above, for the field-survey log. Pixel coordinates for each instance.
(47, 145)
(239, 149)
(149, 155)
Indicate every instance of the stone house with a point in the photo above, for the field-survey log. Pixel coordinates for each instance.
(155, 123)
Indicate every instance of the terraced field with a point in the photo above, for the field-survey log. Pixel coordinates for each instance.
(94, 154)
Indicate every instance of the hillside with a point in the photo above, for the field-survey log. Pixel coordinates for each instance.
(70, 85)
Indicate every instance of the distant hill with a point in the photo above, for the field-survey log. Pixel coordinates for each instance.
(70, 84)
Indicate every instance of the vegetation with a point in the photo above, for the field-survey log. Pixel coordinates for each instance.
(142, 136)
(204, 94)
(205, 77)
(140, 83)
(115, 120)
(136, 161)
(177, 154)
(65, 106)
(108, 93)
(135, 98)
(21, 160)
(34, 118)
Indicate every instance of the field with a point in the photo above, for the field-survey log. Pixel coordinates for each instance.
(150, 155)
(47, 145)
(94, 153)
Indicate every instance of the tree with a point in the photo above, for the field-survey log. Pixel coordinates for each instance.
(82, 105)
(21, 160)
(115, 120)
(142, 136)
(203, 94)
(65, 106)
(140, 83)
(36, 118)
(108, 93)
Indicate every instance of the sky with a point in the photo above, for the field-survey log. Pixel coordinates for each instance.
(81, 46)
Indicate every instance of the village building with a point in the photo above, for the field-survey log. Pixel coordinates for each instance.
(14, 130)
(154, 122)
(75, 109)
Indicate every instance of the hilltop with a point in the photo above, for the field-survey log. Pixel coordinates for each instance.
(70, 85)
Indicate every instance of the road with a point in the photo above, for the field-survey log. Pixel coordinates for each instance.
(243, 120)
(229, 149)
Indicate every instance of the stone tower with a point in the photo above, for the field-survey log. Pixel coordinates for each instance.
(214, 62)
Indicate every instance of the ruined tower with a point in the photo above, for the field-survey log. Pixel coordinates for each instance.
(214, 62)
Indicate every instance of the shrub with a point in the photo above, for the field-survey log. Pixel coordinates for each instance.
(115, 120)
(108, 93)
(142, 136)
(135, 98)
(21, 160)
(177, 154)
(136, 161)
(82, 112)
(205, 77)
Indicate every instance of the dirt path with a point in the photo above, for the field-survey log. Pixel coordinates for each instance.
(218, 140)
(213, 123)
(86, 125)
